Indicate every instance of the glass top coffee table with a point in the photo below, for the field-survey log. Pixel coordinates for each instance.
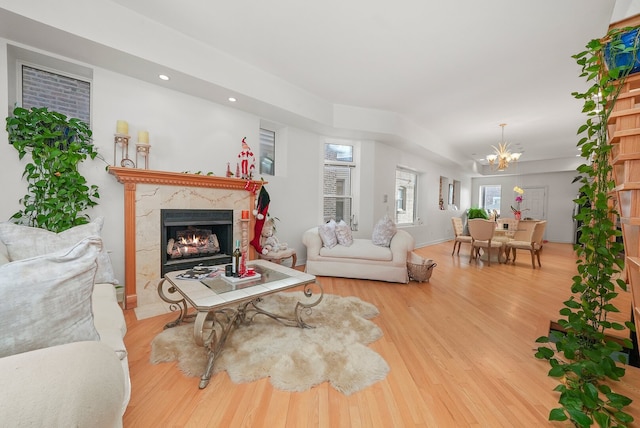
(223, 304)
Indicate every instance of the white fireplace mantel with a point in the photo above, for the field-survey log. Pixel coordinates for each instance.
(146, 192)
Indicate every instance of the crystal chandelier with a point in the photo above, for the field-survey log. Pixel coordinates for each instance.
(502, 154)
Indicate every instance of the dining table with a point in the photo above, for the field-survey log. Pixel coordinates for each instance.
(499, 254)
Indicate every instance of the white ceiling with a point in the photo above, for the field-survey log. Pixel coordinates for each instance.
(456, 69)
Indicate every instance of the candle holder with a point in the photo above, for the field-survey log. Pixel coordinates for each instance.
(121, 140)
(244, 227)
(244, 245)
(142, 150)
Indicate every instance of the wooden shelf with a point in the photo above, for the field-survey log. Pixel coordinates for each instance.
(134, 175)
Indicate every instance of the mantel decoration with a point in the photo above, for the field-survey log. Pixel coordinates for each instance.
(583, 358)
(57, 193)
(246, 162)
(121, 139)
(261, 212)
(142, 149)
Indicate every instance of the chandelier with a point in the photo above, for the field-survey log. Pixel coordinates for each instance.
(502, 154)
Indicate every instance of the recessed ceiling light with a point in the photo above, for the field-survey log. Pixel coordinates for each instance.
(163, 77)
(233, 100)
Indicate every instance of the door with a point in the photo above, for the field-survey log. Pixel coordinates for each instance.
(534, 201)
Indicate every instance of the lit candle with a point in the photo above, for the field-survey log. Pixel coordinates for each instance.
(122, 127)
(245, 214)
(143, 137)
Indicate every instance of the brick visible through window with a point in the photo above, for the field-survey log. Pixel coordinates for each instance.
(66, 95)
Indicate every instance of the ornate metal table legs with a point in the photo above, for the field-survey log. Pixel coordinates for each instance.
(212, 328)
(179, 304)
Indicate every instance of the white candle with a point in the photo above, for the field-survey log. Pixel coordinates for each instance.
(122, 127)
(143, 137)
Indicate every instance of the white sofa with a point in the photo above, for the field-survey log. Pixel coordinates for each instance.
(79, 384)
(361, 260)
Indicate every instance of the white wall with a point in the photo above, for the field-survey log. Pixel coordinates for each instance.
(435, 224)
(560, 194)
(190, 134)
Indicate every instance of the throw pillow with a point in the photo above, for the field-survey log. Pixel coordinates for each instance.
(25, 242)
(46, 300)
(343, 234)
(383, 231)
(327, 233)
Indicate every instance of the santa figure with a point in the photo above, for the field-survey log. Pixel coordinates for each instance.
(247, 161)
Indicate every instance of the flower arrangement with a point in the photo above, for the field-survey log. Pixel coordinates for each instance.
(517, 212)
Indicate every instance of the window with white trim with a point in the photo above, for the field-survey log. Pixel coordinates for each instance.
(267, 152)
(338, 181)
(406, 193)
(490, 197)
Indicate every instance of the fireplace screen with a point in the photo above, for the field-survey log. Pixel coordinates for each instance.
(193, 237)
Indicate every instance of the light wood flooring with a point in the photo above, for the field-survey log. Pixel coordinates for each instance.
(460, 348)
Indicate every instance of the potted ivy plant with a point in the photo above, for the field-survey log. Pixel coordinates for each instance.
(58, 194)
(581, 354)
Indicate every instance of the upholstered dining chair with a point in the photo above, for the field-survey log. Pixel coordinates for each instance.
(481, 232)
(512, 224)
(534, 245)
(458, 230)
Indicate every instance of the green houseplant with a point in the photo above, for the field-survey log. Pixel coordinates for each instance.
(57, 192)
(584, 356)
(477, 213)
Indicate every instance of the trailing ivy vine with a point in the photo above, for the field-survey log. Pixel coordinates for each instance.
(584, 359)
(57, 192)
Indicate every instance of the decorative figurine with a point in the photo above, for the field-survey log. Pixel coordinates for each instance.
(247, 161)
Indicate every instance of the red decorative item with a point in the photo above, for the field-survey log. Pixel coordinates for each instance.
(262, 209)
(251, 187)
(247, 161)
(243, 263)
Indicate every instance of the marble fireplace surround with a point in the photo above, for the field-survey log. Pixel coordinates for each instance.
(146, 192)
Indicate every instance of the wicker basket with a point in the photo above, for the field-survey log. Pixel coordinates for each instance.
(419, 269)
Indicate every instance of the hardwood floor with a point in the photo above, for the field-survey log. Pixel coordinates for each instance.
(460, 350)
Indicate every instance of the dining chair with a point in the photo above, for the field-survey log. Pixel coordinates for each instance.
(534, 245)
(512, 224)
(525, 229)
(481, 232)
(460, 237)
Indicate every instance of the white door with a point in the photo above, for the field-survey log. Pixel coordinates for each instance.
(534, 203)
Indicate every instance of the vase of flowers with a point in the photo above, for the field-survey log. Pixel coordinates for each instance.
(517, 212)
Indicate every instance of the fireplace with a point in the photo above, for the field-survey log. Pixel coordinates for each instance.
(189, 237)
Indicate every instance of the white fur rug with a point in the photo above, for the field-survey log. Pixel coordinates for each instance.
(294, 359)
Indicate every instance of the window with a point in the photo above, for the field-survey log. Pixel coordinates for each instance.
(267, 152)
(406, 191)
(452, 198)
(490, 197)
(66, 94)
(338, 180)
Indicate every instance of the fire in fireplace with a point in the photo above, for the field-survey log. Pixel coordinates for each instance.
(190, 237)
(193, 242)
